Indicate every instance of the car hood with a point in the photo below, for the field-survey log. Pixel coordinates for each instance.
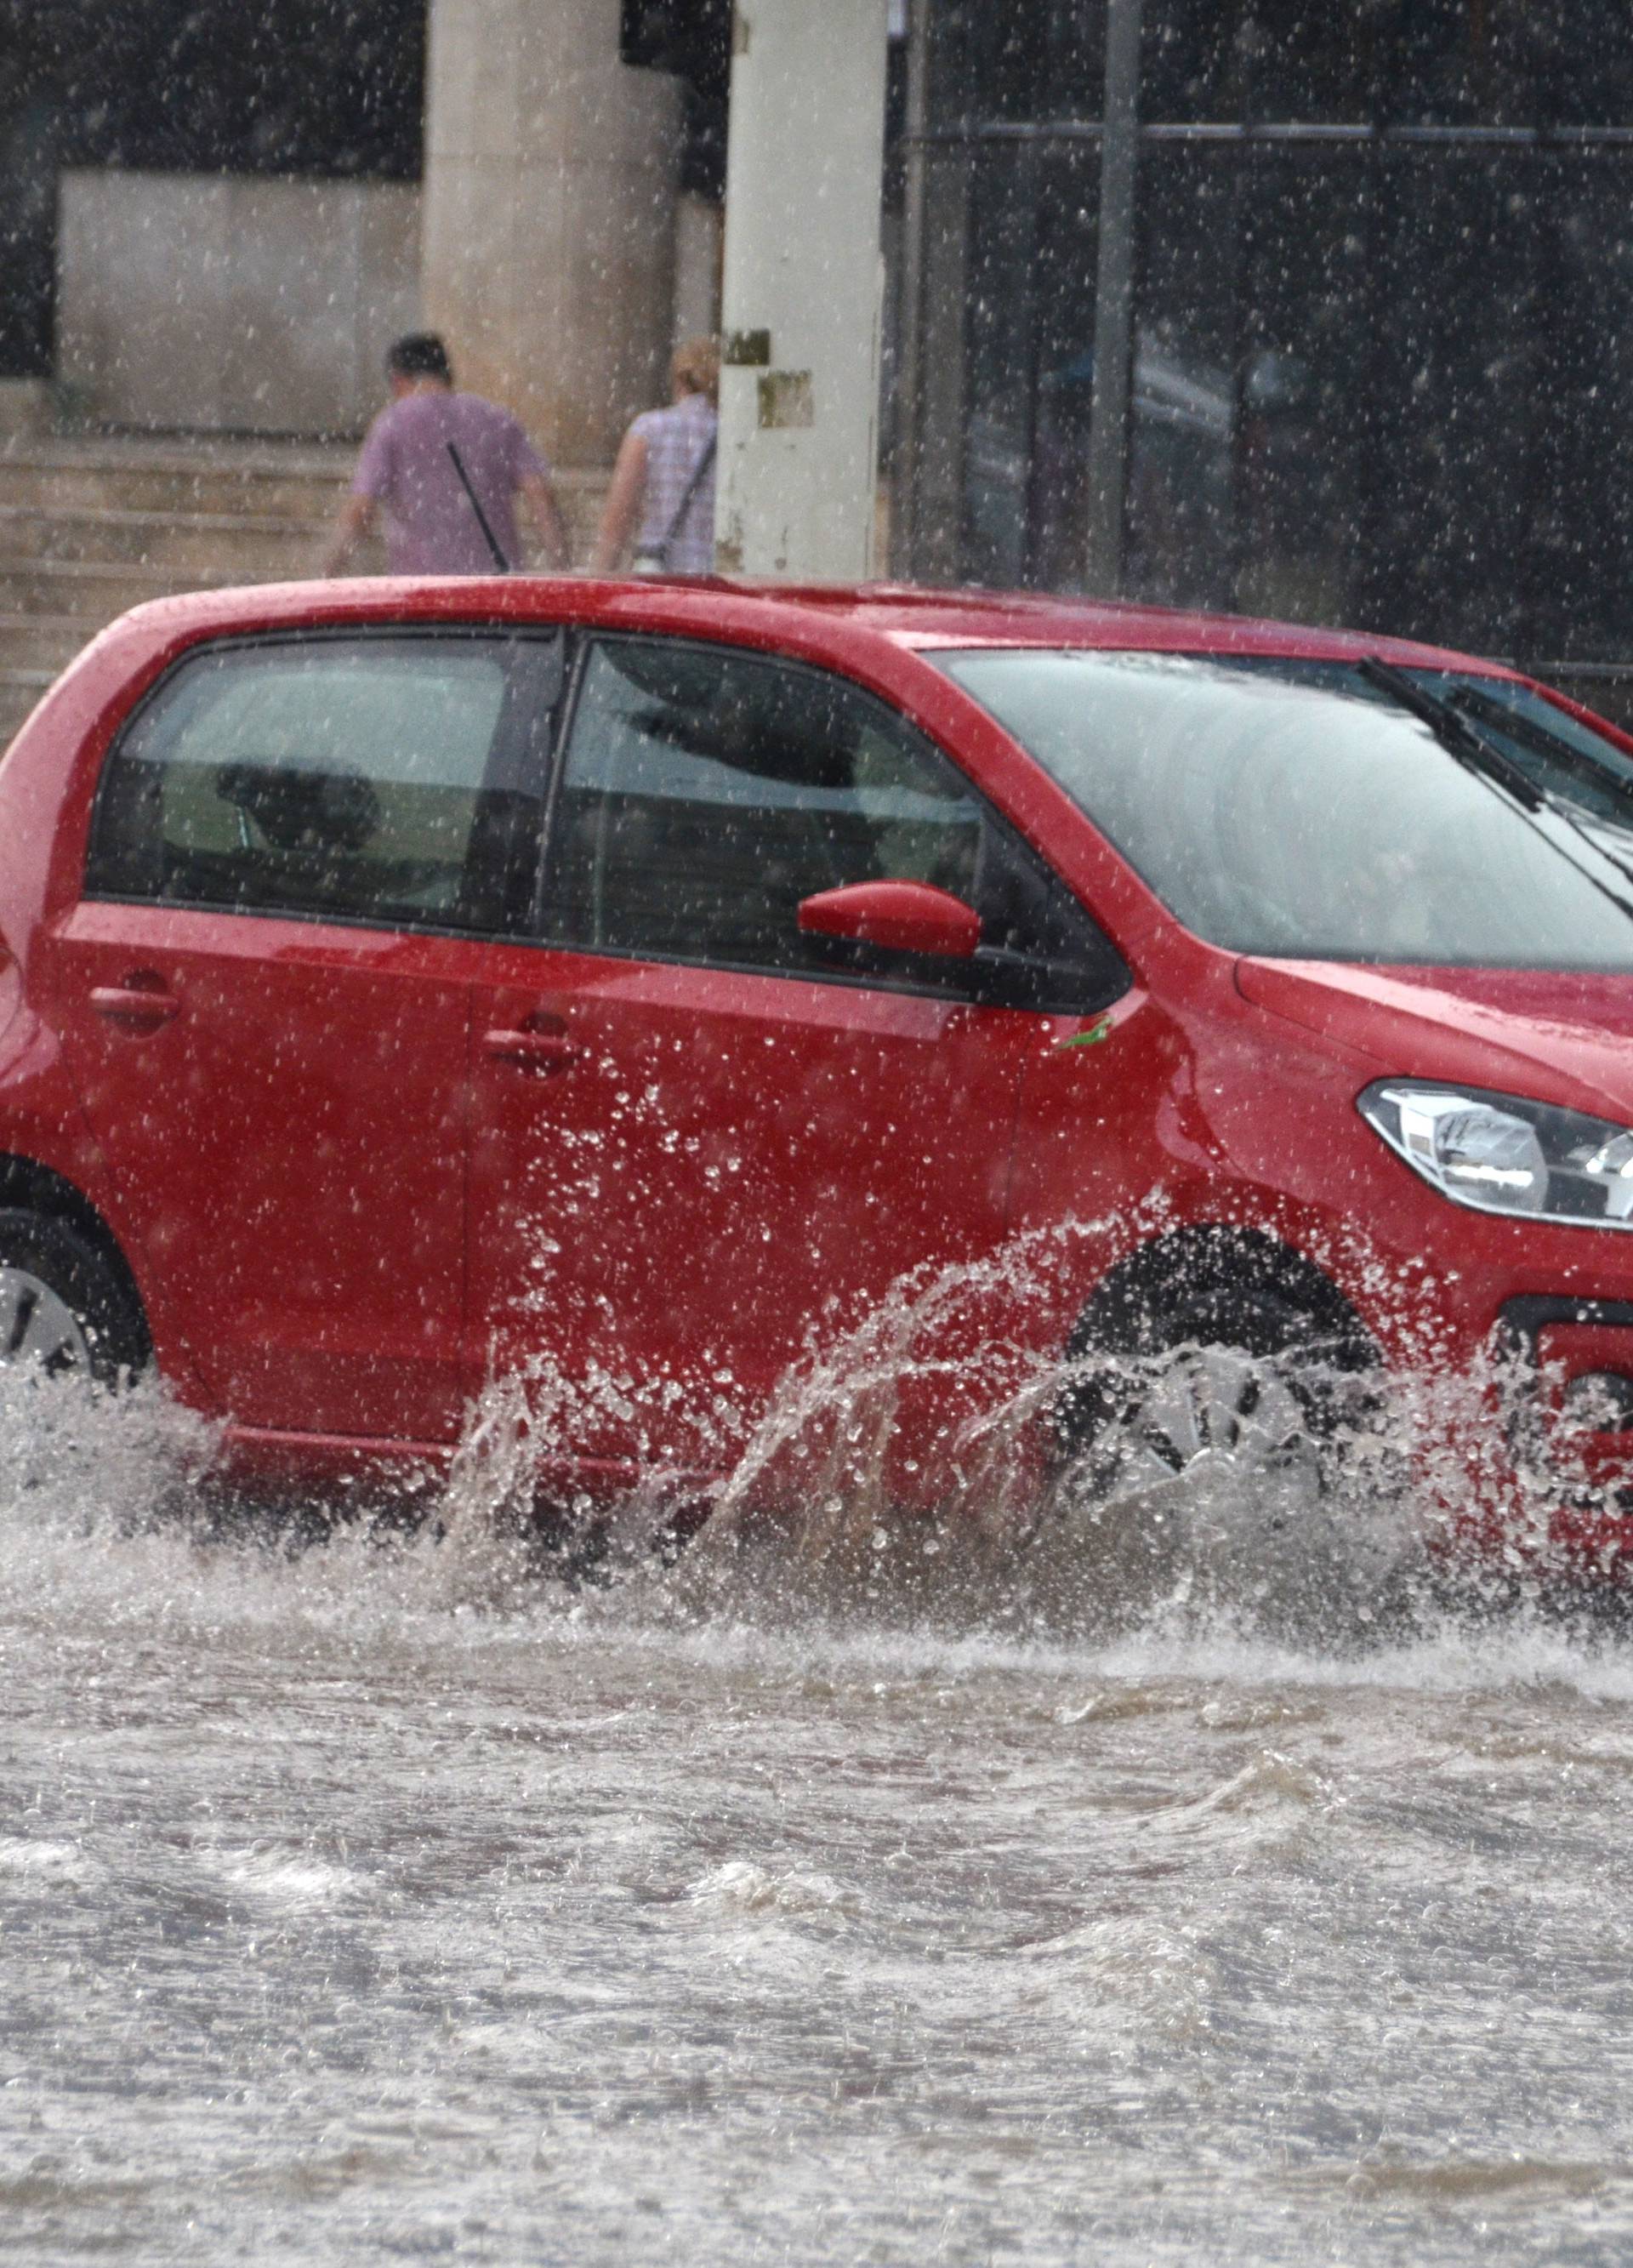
(1559, 1035)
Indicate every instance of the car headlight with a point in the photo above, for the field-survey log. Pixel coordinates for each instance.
(1500, 1153)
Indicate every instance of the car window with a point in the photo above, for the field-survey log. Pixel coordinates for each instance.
(388, 779)
(1295, 809)
(705, 792)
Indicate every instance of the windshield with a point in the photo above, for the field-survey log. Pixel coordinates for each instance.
(1293, 808)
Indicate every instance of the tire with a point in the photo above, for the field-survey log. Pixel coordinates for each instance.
(1220, 1344)
(64, 1310)
(1224, 1451)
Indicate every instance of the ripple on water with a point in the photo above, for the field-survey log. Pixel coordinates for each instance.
(1134, 1966)
(740, 1887)
(26, 1865)
(287, 1878)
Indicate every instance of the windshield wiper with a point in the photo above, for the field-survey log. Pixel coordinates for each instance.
(1465, 741)
(1453, 731)
(1591, 826)
(1498, 716)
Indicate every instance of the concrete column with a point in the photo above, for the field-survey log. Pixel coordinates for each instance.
(697, 228)
(799, 388)
(548, 225)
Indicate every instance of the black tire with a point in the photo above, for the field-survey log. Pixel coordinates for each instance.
(1292, 1338)
(1304, 1528)
(45, 1259)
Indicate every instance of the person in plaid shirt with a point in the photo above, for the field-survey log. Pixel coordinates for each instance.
(661, 504)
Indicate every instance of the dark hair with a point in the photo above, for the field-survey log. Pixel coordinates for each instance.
(421, 354)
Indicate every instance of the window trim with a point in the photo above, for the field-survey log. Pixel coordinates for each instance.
(536, 746)
(959, 983)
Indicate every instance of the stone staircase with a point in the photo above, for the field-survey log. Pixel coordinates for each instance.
(90, 527)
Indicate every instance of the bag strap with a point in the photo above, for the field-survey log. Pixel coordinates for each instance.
(492, 540)
(705, 460)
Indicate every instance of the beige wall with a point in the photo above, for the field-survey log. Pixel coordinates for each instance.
(544, 245)
(697, 266)
(211, 303)
(25, 408)
(550, 186)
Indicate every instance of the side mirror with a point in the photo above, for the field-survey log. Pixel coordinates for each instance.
(900, 916)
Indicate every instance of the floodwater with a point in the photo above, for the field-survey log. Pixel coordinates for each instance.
(391, 1897)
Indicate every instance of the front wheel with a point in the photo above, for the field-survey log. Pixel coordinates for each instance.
(1223, 1346)
(1200, 1406)
(1224, 1440)
(65, 1313)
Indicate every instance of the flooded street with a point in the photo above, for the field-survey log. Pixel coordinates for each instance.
(381, 1899)
(838, 762)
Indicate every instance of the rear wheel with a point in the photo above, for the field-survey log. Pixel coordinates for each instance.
(65, 1313)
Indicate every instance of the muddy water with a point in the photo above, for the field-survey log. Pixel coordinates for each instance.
(389, 1899)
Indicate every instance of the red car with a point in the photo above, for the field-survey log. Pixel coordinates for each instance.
(405, 984)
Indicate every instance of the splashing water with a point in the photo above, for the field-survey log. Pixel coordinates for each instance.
(1328, 1537)
(1174, 1870)
(1320, 1508)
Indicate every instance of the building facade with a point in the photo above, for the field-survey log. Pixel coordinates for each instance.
(213, 214)
(1380, 339)
(1382, 329)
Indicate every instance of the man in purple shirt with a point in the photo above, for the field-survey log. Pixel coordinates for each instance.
(432, 525)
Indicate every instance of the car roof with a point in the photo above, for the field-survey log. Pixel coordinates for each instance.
(765, 614)
(965, 617)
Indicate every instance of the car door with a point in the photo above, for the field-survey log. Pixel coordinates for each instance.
(700, 1137)
(264, 998)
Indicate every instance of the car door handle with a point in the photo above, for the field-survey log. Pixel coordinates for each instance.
(139, 1004)
(542, 1047)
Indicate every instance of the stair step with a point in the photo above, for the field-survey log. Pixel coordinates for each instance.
(304, 484)
(254, 546)
(47, 642)
(144, 477)
(19, 690)
(92, 591)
